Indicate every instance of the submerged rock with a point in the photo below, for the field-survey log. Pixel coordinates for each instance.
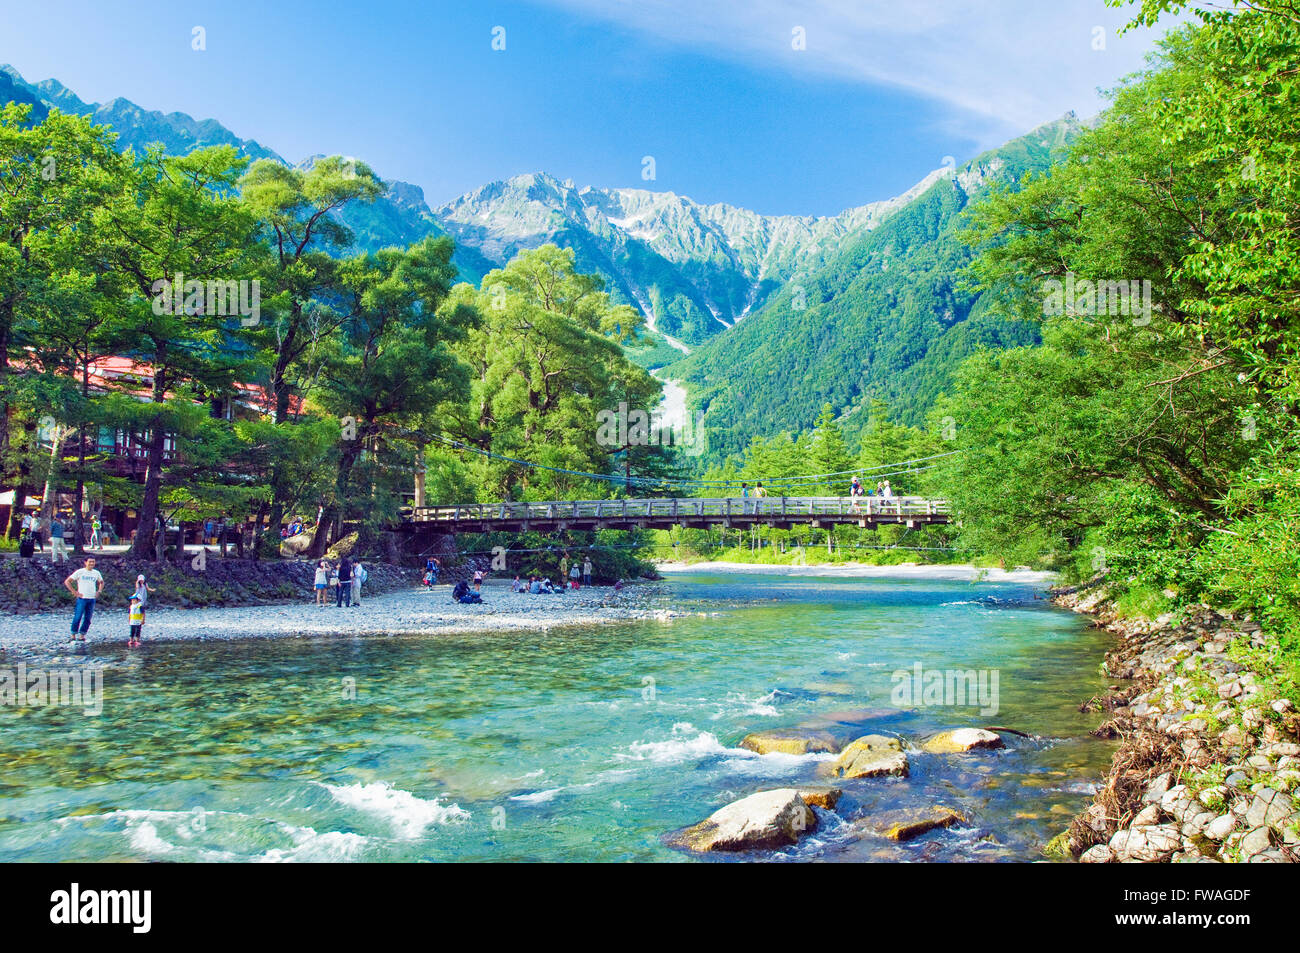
(789, 741)
(870, 756)
(856, 716)
(962, 739)
(907, 823)
(763, 820)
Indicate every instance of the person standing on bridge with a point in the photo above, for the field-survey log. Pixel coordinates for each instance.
(855, 493)
(761, 494)
(744, 498)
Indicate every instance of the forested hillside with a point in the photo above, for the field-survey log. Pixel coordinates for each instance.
(889, 317)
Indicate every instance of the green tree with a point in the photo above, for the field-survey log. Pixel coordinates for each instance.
(179, 219)
(396, 364)
(545, 363)
(298, 211)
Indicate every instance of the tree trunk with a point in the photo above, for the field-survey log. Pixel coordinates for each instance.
(143, 546)
(320, 538)
(419, 476)
(178, 554)
(50, 494)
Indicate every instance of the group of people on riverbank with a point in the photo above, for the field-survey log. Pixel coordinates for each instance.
(577, 574)
(87, 584)
(345, 580)
(36, 530)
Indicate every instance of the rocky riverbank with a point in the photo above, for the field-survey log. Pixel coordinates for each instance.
(29, 586)
(1209, 760)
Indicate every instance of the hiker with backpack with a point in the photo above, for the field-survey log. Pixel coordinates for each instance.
(359, 575)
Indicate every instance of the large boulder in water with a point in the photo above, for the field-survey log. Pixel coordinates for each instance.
(764, 820)
(962, 739)
(789, 741)
(871, 756)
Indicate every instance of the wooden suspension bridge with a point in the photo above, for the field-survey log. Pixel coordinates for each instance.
(780, 512)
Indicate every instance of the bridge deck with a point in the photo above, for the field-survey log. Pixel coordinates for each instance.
(693, 512)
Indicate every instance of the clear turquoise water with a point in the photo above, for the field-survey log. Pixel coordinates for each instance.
(550, 746)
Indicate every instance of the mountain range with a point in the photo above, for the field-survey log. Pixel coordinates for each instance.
(763, 318)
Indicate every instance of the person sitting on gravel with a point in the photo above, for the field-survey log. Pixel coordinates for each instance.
(517, 586)
(461, 592)
(534, 586)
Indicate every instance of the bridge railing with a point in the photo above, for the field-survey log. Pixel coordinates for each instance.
(684, 508)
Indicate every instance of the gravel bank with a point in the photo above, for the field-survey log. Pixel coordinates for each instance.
(408, 611)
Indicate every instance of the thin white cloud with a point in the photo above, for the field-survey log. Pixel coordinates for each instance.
(1002, 66)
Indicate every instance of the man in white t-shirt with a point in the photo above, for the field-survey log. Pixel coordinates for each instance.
(86, 584)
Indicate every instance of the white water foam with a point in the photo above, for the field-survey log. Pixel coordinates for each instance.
(737, 703)
(774, 764)
(409, 815)
(312, 847)
(686, 744)
(143, 835)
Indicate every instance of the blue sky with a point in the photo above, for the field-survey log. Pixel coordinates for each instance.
(716, 92)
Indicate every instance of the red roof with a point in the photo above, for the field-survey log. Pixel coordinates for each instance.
(106, 373)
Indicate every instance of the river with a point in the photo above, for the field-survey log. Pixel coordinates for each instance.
(586, 744)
